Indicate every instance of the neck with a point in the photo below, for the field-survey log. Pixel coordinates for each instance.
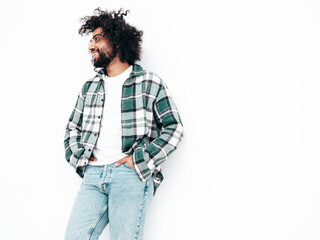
(116, 67)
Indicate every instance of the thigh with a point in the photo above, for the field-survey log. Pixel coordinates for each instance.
(129, 200)
(89, 214)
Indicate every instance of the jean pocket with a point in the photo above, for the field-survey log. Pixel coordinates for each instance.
(127, 166)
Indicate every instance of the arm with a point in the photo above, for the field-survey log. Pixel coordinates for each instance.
(72, 145)
(146, 159)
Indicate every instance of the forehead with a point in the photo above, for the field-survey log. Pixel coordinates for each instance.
(97, 31)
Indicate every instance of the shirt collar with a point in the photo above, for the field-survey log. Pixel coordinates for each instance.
(137, 70)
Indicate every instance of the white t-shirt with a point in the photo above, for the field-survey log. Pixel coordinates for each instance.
(108, 148)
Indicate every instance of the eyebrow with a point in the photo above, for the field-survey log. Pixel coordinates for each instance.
(97, 35)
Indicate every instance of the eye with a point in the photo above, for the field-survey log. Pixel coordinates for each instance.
(97, 38)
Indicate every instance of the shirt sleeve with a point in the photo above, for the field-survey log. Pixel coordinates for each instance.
(147, 159)
(72, 139)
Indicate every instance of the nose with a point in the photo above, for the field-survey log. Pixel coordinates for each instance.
(91, 46)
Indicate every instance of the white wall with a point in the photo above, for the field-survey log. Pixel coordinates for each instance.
(245, 76)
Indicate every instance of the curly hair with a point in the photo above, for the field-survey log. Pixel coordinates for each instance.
(118, 32)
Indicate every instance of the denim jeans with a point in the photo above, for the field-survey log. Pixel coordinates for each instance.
(114, 195)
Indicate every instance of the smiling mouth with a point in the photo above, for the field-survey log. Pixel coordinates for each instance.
(93, 54)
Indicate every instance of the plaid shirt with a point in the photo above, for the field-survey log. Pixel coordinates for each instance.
(151, 125)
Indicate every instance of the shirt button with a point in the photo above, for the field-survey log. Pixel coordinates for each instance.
(98, 116)
(89, 150)
(95, 134)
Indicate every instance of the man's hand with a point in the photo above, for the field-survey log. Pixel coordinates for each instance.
(127, 160)
(93, 159)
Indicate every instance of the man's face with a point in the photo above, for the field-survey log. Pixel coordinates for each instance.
(100, 49)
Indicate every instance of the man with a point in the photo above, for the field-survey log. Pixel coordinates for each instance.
(124, 125)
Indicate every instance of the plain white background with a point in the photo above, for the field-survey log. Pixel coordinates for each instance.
(245, 77)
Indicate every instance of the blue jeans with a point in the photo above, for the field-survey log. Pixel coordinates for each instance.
(114, 195)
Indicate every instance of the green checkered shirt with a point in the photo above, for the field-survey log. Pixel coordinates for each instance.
(151, 125)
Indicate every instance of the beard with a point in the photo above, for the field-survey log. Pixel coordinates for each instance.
(104, 59)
